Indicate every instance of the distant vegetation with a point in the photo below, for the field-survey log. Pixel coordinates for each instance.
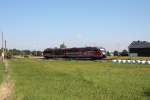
(118, 53)
(63, 45)
(16, 52)
(122, 53)
(25, 53)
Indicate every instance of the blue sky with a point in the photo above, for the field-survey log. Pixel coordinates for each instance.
(38, 24)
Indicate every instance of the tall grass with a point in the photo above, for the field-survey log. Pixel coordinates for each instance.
(79, 80)
(1, 71)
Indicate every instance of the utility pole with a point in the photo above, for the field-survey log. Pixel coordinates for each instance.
(5, 47)
(2, 48)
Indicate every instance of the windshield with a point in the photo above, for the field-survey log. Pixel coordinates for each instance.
(103, 51)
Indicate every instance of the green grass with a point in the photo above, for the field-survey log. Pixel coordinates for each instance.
(79, 80)
(1, 71)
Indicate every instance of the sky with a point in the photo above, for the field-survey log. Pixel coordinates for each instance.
(39, 24)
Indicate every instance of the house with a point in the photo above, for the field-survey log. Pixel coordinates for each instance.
(139, 48)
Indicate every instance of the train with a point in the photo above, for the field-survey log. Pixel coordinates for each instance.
(75, 53)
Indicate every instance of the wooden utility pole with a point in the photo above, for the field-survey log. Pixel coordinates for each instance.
(2, 48)
(5, 47)
(5, 44)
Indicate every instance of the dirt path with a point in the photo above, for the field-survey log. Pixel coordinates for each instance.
(7, 85)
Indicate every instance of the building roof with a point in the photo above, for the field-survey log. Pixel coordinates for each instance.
(139, 44)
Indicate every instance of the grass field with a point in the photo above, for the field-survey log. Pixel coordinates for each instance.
(1, 71)
(79, 80)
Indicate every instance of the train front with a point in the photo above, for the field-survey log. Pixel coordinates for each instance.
(103, 52)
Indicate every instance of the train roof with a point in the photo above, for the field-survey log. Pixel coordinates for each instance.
(89, 48)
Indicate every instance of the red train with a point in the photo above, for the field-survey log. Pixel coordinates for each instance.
(79, 53)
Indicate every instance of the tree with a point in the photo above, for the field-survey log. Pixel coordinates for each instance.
(37, 53)
(124, 53)
(8, 55)
(15, 52)
(34, 53)
(63, 46)
(108, 53)
(26, 52)
(116, 53)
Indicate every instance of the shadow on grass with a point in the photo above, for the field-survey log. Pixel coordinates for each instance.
(147, 92)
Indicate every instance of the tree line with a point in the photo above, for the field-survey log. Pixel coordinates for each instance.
(117, 53)
(16, 52)
(25, 53)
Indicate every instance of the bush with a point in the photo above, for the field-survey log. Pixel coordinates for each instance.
(8, 55)
(26, 56)
(116, 53)
(124, 53)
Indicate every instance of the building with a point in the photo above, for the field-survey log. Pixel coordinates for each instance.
(139, 48)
